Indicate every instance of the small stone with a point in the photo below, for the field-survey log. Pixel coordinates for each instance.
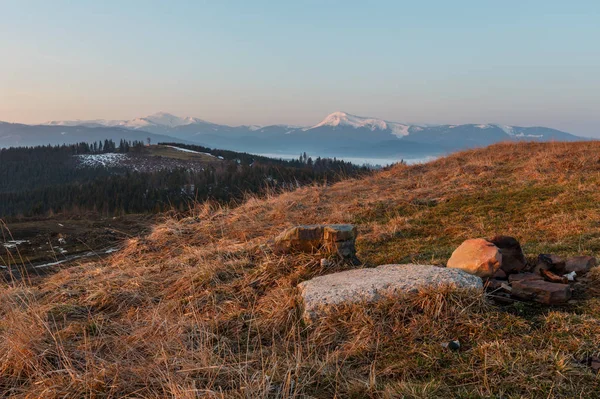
(476, 256)
(513, 259)
(493, 285)
(553, 278)
(325, 262)
(541, 291)
(595, 365)
(500, 274)
(580, 264)
(452, 345)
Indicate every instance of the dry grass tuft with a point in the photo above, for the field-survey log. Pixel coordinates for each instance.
(201, 307)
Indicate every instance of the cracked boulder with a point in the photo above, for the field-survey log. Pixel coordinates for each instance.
(329, 239)
(321, 294)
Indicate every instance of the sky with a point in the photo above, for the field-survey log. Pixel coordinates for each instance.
(528, 63)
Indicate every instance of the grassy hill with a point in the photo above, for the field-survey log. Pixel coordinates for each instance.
(202, 308)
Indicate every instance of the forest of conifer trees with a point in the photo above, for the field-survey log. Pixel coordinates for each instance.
(36, 181)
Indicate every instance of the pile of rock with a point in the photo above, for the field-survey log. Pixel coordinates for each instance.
(498, 264)
(501, 262)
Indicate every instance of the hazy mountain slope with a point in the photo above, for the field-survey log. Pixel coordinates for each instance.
(338, 134)
(467, 136)
(203, 304)
(14, 134)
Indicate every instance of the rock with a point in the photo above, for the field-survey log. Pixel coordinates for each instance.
(496, 285)
(327, 238)
(553, 263)
(452, 345)
(513, 259)
(580, 264)
(524, 277)
(541, 291)
(500, 274)
(322, 293)
(553, 278)
(595, 364)
(493, 284)
(476, 256)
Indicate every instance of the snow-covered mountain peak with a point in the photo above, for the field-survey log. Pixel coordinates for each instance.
(162, 119)
(348, 120)
(169, 120)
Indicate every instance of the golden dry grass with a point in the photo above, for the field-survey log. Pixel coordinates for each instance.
(202, 308)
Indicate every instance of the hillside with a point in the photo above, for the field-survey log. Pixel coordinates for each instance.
(201, 307)
(21, 135)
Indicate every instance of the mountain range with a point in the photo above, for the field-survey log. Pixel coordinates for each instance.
(339, 134)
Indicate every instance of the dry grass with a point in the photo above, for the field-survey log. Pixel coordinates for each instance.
(202, 308)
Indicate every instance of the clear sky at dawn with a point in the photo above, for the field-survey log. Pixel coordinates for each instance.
(266, 62)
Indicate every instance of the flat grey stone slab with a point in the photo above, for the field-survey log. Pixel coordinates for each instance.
(371, 285)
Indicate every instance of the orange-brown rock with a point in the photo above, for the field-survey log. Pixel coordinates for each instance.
(476, 256)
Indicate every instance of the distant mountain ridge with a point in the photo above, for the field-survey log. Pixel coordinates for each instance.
(338, 134)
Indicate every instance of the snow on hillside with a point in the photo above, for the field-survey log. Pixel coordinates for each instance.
(169, 120)
(143, 162)
(190, 151)
(158, 119)
(92, 122)
(344, 119)
(101, 160)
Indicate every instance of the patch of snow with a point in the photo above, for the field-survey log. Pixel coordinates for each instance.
(507, 129)
(285, 126)
(535, 136)
(483, 126)
(14, 243)
(190, 151)
(169, 120)
(158, 119)
(101, 160)
(398, 129)
(344, 119)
